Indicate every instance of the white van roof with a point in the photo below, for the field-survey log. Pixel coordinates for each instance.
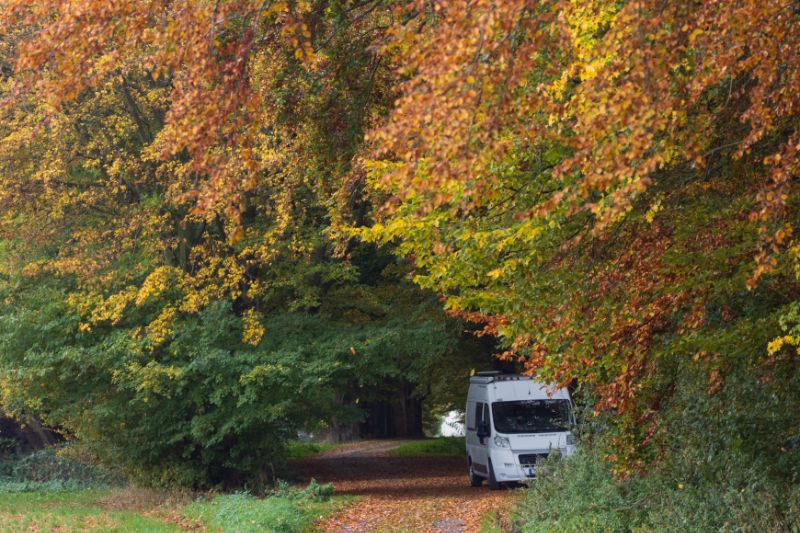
(493, 376)
(514, 386)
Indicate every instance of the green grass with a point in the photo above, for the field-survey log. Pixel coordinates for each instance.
(47, 492)
(80, 510)
(244, 513)
(300, 450)
(440, 446)
(288, 510)
(491, 523)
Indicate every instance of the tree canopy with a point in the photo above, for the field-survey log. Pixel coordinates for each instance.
(608, 187)
(171, 293)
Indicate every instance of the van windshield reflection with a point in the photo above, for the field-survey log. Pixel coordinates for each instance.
(531, 416)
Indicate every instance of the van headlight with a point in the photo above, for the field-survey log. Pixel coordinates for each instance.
(571, 439)
(501, 442)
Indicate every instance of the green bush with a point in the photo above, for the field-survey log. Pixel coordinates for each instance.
(582, 494)
(50, 471)
(8, 486)
(202, 409)
(727, 462)
(48, 466)
(313, 492)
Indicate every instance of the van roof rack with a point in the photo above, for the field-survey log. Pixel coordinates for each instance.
(493, 376)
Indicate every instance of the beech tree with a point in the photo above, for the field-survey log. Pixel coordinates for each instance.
(608, 186)
(170, 293)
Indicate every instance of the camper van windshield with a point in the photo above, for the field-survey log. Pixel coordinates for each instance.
(531, 416)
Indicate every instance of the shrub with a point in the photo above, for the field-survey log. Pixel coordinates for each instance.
(201, 408)
(49, 465)
(582, 494)
(52, 470)
(727, 462)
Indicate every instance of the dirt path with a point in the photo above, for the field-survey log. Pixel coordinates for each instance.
(426, 494)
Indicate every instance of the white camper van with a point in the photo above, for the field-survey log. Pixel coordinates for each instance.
(513, 421)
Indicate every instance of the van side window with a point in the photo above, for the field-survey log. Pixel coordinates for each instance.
(478, 418)
(471, 416)
(481, 414)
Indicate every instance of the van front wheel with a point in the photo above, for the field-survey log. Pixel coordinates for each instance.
(474, 479)
(493, 483)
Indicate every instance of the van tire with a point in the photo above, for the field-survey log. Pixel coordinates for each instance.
(493, 483)
(474, 479)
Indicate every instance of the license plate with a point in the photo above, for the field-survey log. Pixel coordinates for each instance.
(529, 471)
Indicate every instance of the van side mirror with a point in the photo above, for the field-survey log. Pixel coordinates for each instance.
(483, 431)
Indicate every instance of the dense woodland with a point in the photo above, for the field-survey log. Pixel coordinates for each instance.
(223, 222)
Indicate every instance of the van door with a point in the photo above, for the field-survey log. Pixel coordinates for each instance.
(478, 450)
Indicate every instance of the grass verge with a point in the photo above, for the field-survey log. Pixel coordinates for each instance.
(300, 450)
(440, 447)
(288, 510)
(73, 510)
(47, 491)
(492, 523)
(284, 512)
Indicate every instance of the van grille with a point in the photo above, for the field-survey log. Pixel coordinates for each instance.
(530, 459)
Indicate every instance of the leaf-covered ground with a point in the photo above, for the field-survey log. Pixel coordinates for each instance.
(425, 494)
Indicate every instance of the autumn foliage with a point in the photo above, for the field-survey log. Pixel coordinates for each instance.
(596, 178)
(170, 294)
(172, 123)
(610, 188)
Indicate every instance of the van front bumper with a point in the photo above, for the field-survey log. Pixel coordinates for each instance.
(515, 465)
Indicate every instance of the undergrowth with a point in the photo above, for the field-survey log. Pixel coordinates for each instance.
(300, 450)
(439, 446)
(52, 470)
(712, 473)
